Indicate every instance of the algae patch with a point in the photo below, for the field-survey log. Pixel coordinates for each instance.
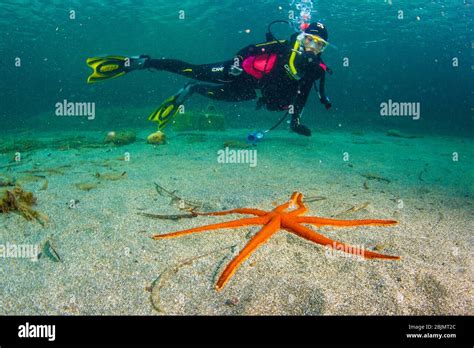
(86, 186)
(6, 180)
(398, 134)
(120, 138)
(111, 176)
(20, 201)
(235, 144)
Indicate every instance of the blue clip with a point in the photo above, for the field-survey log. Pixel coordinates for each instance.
(255, 137)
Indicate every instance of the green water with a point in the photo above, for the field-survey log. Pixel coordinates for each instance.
(406, 60)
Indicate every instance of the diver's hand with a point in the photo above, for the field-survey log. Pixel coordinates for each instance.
(299, 128)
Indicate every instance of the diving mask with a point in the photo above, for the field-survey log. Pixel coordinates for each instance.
(316, 42)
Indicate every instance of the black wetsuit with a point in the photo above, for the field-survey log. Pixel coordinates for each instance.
(277, 90)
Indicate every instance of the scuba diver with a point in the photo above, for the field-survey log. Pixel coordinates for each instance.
(279, 73)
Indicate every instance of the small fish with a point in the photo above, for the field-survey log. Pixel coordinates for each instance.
(50, 252)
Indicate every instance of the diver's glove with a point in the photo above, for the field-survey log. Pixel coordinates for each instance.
(299, 128)
(326, 102)
(137, 63)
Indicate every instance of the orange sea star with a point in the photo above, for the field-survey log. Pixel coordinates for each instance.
(281, 218)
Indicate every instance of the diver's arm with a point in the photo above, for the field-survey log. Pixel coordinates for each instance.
(300, 101)
(322, 94)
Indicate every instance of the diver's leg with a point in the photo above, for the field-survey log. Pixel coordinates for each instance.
(235, 91)
(215, 73)
(227, 92)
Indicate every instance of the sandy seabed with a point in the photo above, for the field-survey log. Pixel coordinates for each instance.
(110, 265)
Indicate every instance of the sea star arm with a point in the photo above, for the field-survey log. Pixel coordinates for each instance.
(249, 211)
(317, 221)
(314, 237)
(296, 198)
(302, 209)
(228, 224)
(258, 239)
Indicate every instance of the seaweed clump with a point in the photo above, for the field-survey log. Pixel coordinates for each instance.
(398, 134)
(234, 144)
(20, 201)
(120, 138)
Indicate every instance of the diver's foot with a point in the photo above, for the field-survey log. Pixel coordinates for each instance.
(185, 92)
(137, 62)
